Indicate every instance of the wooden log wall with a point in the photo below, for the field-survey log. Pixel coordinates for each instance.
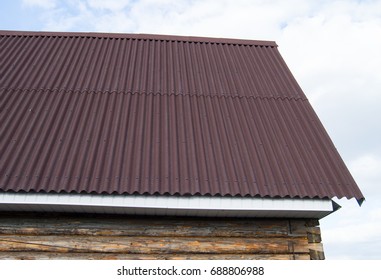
(92, 236)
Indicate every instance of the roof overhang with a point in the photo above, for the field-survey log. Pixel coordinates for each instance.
(169, 205)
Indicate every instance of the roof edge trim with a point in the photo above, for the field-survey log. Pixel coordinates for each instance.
(142, 36)
(168, 205)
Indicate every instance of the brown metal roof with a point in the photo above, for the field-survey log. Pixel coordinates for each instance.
(154, 114)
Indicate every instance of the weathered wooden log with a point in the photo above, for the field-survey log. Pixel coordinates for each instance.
(312, 223)
(186, 227)
(316, 251)
(103, 256)
(152, 245)
(313, 238)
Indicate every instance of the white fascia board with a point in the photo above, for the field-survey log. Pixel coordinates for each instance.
(168, 205)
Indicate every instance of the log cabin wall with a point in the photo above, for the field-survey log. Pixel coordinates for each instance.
(94, 236)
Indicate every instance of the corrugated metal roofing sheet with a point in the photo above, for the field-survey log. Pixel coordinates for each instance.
(133, 65)
(149, 114)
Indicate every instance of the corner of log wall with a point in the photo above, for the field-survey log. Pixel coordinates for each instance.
(314, 240)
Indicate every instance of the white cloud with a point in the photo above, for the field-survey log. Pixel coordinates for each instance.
(350, 48)
(334, 54)
(63, 18)
(46, 4)
(367, 171)
(113, 5)
(353, 232)
(367, 166)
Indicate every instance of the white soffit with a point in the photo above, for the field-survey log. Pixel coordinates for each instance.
(168, 205)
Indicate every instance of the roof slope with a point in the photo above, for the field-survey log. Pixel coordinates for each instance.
(151, 114)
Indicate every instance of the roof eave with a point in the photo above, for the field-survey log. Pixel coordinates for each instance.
(168, 205)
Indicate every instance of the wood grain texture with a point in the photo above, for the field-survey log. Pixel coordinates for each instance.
(314, 240)
(69, 236)
(147, 245)
(158, 226)
(111, 256)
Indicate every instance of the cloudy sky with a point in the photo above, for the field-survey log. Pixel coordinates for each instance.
(332, 47)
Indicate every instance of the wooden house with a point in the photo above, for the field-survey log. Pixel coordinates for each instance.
(134, 146)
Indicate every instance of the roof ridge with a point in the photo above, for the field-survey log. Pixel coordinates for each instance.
(275, 97)
(140, 36)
